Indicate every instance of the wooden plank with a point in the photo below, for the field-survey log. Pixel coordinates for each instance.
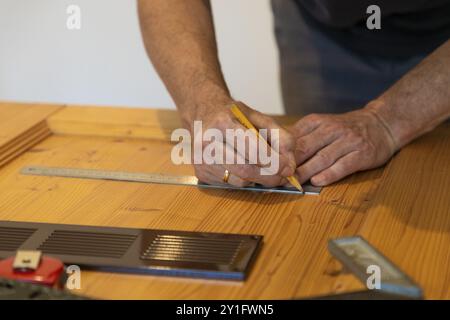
(23, 136)
(15, 119)
(22, 126)
(25, 143)
(120, 122)
(115, 122)
(403, 209)
(409, 220)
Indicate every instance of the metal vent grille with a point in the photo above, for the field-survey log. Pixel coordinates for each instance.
(107, 245)
(193, 249)
(12, 238)
(141, 251)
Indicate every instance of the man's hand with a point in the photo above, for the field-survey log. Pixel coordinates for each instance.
(179, 37)
(242, 175)
(331, 147)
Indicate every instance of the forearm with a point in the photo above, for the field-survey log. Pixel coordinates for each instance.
(419, 101)
(180, 40)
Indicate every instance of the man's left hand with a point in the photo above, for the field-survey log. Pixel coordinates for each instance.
(331, 147)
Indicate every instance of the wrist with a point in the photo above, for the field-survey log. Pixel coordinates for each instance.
(207, 99)
(395, 131)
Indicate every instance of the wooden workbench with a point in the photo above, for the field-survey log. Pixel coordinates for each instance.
(403, 209)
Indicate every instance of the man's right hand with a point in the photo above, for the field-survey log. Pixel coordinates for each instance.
(242, 175)
(180, 40)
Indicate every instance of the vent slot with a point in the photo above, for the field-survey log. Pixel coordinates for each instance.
(193, 249)
(140, 251)
(12, 238)
(106, 245)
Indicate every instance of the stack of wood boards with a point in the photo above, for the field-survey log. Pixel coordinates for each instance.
(21, 127)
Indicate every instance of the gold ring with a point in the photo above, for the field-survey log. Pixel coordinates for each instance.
(226, 176)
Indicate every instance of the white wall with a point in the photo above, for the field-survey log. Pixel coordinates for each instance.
(104, 63)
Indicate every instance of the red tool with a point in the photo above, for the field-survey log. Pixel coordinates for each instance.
(31, 266)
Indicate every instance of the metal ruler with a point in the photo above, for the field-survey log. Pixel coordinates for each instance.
(153, 178)
(357, 255)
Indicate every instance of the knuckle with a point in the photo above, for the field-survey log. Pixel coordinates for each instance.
(349, 132)
(301, 146)
(239, 183)
(243, 172)
(345, 168)
(350, 167)
(324, 157)
(352, 135)
(331, 128)
(288, 141)
(324, 178)
(367, 147)
(313, 117)
(220, 121)
(356, 139)
(364, 146)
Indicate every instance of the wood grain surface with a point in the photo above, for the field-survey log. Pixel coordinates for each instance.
(403, 209)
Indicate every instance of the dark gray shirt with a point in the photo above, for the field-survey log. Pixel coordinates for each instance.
(408, 27)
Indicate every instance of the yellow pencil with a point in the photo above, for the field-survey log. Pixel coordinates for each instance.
(246, 123)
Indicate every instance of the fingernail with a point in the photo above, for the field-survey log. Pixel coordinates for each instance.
(317, 181)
